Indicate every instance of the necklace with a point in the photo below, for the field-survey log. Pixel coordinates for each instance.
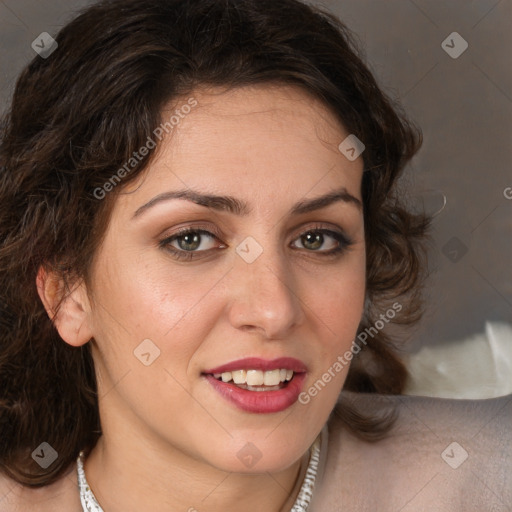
(90, 503)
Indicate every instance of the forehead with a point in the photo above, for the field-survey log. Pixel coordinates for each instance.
(272, 141)
(282, 117)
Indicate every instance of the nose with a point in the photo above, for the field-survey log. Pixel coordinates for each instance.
(264, 298)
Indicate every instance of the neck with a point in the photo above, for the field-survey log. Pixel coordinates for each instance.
(127, 470)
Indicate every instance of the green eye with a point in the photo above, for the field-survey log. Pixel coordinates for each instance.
(187, 242)
(313, 240)
(190, 241)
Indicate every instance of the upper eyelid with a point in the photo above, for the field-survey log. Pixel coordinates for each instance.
(215, 232)
(184, 231)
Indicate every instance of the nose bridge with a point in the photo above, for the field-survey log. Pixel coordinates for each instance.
(264, 290)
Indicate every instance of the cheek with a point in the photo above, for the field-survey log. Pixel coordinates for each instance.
(339, 297)
(140, 299)
(341, 304)
(338, 305)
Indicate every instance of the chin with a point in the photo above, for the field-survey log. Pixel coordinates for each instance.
(261, 455)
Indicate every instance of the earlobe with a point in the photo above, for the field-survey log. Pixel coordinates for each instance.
(69, 311)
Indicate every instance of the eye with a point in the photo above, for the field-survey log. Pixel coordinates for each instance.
(189, 241)
(332, 242)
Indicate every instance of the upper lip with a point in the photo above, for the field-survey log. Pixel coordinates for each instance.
(256, 363)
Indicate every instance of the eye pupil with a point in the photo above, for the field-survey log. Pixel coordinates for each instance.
(313, 240)
(189, 241)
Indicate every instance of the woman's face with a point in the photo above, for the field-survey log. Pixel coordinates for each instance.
(265, 272)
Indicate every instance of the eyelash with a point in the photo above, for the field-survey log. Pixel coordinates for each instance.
(180, 254)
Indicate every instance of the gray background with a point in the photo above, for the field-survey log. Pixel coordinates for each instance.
(463, 105)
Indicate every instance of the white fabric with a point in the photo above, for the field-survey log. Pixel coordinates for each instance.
(478, 367)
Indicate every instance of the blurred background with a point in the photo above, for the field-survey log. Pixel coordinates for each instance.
(449, 65)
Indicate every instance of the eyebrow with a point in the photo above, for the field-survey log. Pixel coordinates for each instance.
(238, 207)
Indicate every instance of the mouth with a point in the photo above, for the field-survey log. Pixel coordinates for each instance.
(259, 386)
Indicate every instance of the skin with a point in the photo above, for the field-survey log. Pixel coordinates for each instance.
(170, 441)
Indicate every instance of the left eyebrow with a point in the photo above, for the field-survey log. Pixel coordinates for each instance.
(238, 207)
(317, 203)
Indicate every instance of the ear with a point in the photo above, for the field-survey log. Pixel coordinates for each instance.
(72, 318)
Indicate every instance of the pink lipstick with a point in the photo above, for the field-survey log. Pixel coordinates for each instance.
(258, 385)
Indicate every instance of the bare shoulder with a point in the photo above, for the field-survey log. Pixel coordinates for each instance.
(440, 455)
(61, 496)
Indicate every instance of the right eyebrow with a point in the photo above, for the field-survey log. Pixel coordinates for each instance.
(225, 203)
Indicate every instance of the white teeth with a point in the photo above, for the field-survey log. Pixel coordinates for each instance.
(254, 378)
(239, 376)
(271, 378)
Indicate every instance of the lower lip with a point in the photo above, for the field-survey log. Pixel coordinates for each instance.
(260, 401)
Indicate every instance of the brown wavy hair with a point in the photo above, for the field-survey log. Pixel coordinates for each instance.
(79, 114)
